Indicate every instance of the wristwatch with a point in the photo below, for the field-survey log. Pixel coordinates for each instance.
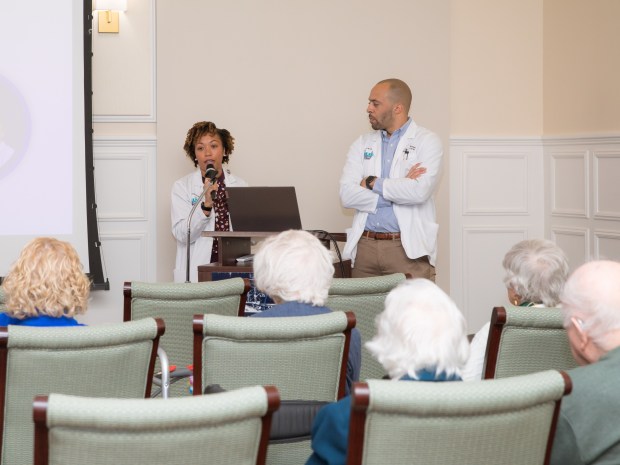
(369, 180)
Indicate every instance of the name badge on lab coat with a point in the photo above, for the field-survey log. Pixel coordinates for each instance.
(368, 153)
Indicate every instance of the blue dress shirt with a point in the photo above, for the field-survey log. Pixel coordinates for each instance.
(384, 220)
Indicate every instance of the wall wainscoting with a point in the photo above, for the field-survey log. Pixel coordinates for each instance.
(506, 190)
(125, 186)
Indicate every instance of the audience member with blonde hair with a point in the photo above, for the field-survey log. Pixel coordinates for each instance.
(296, 271)
(587, 431)
(421, 336)
(46, 286)
(535, 273)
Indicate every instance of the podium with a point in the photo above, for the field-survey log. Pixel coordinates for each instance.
(233, 244)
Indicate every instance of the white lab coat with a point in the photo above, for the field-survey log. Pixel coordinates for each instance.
(185, 192)
(412, 199)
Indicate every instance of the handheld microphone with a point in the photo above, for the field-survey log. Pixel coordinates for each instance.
(211, 173)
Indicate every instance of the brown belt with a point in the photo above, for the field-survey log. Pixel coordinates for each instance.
(379, 236)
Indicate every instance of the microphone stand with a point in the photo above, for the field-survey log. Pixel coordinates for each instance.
(189, 222)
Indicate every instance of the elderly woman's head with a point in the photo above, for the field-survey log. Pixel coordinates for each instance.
(420, 329)
(46, 279)
(536, 271)
(294, 266)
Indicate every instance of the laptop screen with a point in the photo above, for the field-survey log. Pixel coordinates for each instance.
(271, 209)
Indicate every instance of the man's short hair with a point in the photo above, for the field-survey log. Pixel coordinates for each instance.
(591, 295)
(399, 92)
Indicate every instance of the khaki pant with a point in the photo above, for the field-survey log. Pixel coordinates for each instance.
(382, 257)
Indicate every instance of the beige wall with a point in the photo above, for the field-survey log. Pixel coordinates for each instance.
(290, 80)
(291, 83)
(496, 79)
(581, 67)
(123, 66)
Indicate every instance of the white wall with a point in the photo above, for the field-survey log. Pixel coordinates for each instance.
(291, 80)
(125, 147)
(535, 128)
(291, 83)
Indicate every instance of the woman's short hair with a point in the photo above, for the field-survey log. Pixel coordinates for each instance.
(421, 328)
(207, 127)
(536, 270)
(591, 296)
(47, 279)
(294, 266)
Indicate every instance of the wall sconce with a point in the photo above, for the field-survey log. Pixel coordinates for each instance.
(107, 11)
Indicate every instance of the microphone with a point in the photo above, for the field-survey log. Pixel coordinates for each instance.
(211, 173)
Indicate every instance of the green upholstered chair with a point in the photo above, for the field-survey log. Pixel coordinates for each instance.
(304, 356)
(2, 304)
(509, 421)
(230, 428)
(365, 297)
(177, 303)
(525, 340)
(115, 360)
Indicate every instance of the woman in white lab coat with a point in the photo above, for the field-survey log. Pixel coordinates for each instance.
(209, 147)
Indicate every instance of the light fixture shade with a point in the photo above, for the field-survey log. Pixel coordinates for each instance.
(105, 5)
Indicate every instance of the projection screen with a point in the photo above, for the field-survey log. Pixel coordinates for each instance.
(45, 120)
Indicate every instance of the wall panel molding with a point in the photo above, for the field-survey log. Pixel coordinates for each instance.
(126, 198)
(136, 242)
(590, 231)
(124, 178)
(496, 192)
(580, 140)
(574, 241)
(606, 245)
(124, 141)
(151, 116)
(569, 183)
(495, 183)
(125, 185)
(606, 179)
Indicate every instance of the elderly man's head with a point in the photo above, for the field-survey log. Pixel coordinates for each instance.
(294, 266)
(591, 306)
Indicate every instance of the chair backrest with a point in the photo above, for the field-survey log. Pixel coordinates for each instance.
(492, 421)
(230, 428)
(177, 303)
(366, 297)
(115, 360)
(525, 340)
(2, 301)
(304, 356)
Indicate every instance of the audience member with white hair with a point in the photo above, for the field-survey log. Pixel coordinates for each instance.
(588, 430)
(296, 271)
(421, 336)
(535, 272)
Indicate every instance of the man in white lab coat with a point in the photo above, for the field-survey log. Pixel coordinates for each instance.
(389, 178)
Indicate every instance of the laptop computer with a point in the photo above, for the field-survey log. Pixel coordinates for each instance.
(271, 209)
